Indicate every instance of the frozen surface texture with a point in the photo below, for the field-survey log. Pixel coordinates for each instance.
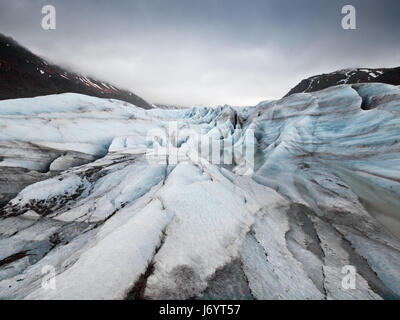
(81, 197)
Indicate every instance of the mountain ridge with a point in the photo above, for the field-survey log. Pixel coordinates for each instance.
(347, 76)
(24, 74)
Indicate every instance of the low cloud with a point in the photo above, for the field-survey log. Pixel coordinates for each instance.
(210, 52)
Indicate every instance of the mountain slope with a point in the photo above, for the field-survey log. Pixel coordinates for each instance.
(23, 75)
(348, 76)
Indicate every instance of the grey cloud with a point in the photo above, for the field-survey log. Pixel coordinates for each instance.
(210, 51)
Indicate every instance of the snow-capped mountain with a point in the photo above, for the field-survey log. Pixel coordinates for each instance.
(23, 74)
(113, 223)
(348, 76)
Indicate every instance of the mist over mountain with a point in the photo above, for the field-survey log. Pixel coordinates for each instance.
(24, 74)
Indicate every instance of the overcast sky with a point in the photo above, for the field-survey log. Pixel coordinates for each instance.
(207, 52)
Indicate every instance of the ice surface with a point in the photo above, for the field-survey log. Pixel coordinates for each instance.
(81, 194)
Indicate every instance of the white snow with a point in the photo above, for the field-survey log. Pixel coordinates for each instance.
(120, 257)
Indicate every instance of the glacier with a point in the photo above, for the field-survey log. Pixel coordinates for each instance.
(80, 194)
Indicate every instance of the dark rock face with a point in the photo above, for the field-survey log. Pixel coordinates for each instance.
(25, 75)
(347, 76)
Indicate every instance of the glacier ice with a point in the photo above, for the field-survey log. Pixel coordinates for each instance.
(80, 194)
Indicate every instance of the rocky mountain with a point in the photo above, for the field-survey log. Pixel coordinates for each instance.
(24, 74)
(128, 207)
(348, 76)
